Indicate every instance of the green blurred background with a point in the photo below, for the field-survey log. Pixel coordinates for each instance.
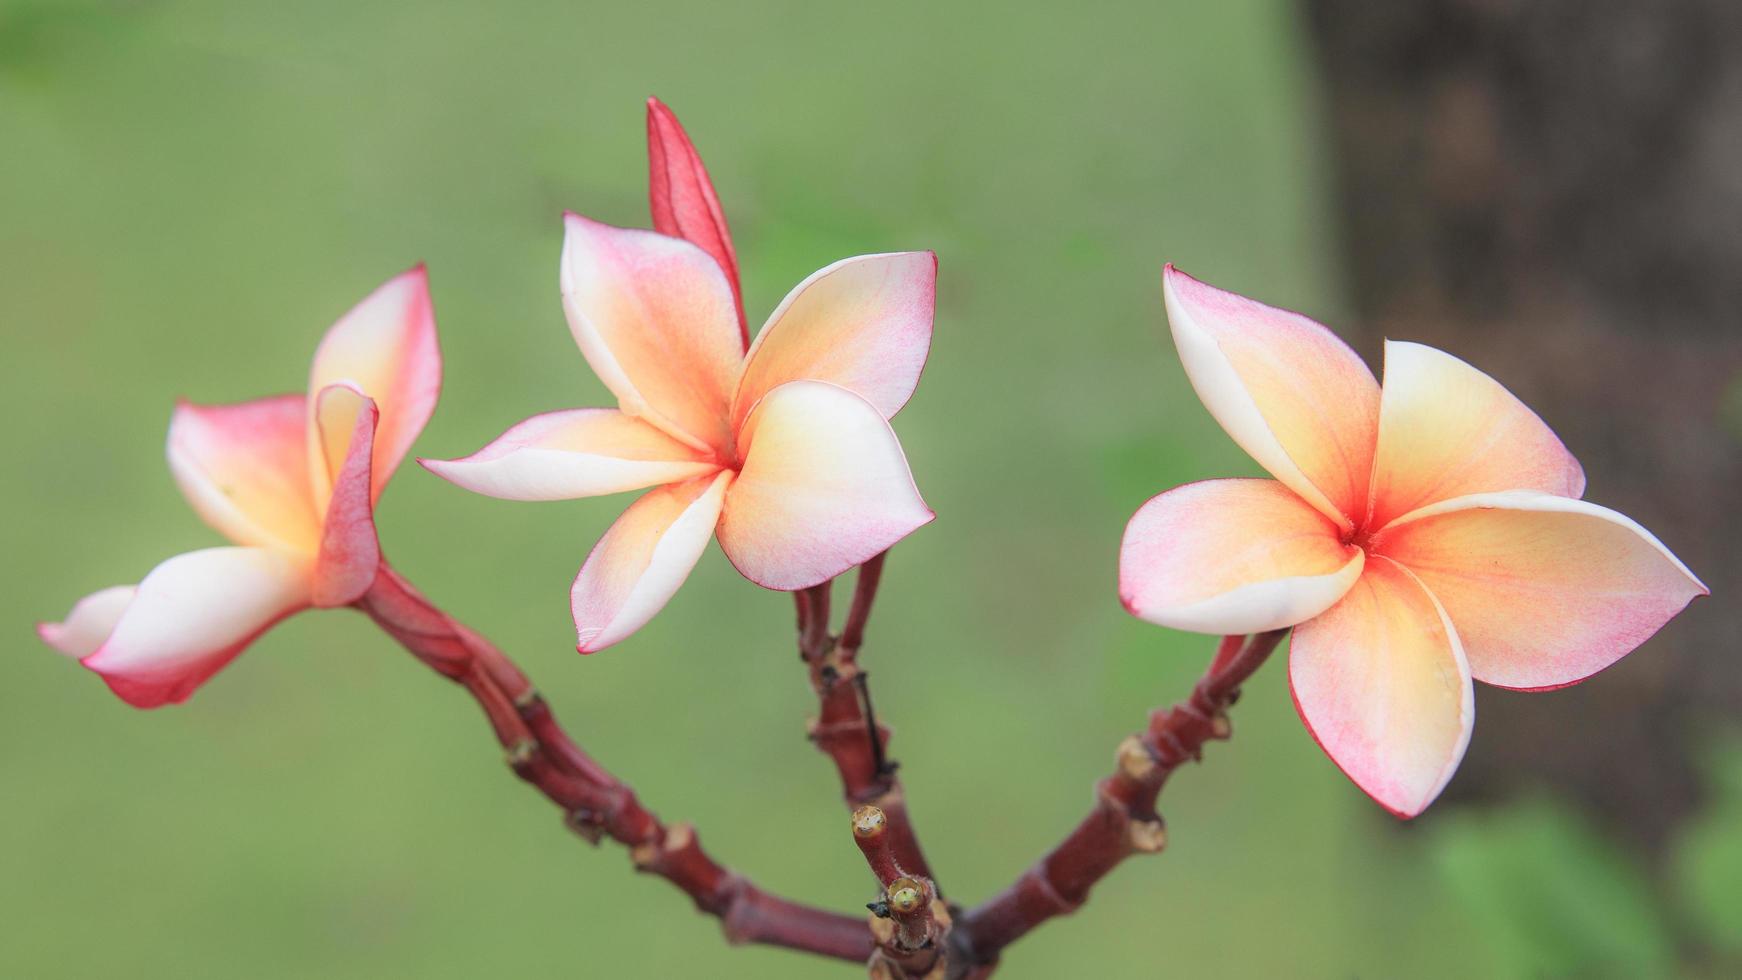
(191, 192)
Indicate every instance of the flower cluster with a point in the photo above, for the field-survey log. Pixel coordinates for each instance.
(1416, 537)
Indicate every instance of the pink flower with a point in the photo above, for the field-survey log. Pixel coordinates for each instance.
(293, 481)
(1416, 538)
(781, 448)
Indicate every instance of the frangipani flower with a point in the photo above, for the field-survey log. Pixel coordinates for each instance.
(781, 448)
(1416, 537)
(293, 481)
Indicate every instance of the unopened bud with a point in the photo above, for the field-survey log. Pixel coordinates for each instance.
(1221, 727)
(868, 822)
(1147, 836)
(1135, 759)
(520, 753)
(906, 896)
(585, 825)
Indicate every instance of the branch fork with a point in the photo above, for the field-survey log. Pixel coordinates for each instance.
(909, 921)
(911, 933)
(594, 803)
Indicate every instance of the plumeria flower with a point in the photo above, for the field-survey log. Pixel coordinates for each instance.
(1416, 537)
(292, 481)
(781, 449)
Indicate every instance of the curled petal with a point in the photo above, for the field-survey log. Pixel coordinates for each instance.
(89, 623)
(1447, 430)
(1546, 591)
(1233, 556)
(824, 487)
(581, 452)
(863, 323)
(638, 565)
(1381, 682)
(654, 316)
(1285, 388)
(682, 198)
(192, 615)
(350, 552)
(244, 469)
(386, 348)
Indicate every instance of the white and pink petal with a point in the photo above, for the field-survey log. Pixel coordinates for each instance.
(1233, 556)
(1381, 682)
(385, 347)
(863, 323)
(581, 452)
(192, 615)
(1545, 590)
(655, 318)
(1285, 388)
(824, 486)
(641, 561)
(1448, 430)
(244, 469)
(89, 623)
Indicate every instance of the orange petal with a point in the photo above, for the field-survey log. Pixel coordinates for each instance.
(824, 487)
(1233, 556)
(1447, 430)
(386, 348)
(638, 565)
(1546, 591)
(863, 323)
(244, 468)
(579, 452)
(1285, 388)
(1382, 684)
(654, 317)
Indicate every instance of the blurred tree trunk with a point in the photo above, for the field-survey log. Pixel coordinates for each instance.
(1552, 189)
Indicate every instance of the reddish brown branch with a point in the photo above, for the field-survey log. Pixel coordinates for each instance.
(846, 727)
(871, 833)
(864, 592)
(909, 924)
(595, 804)
(1124, 820)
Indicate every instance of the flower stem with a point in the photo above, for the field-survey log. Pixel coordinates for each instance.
(846, 727)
